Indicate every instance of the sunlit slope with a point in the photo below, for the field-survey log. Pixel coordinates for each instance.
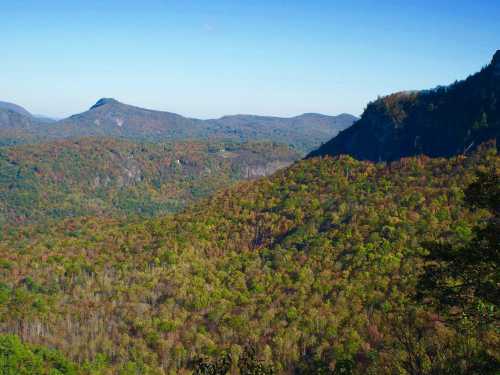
(313, 262)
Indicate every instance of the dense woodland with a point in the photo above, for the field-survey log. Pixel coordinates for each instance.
(131, 257)
(319, 269)
(112, 177)
(441, 122)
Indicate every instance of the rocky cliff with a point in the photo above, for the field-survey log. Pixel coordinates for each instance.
(445, 121)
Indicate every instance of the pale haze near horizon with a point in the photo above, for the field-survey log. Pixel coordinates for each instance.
(209, 59)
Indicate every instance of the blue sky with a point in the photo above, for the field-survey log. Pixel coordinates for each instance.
(210, 58)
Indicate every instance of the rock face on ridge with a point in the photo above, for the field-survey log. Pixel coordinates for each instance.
(445, 121)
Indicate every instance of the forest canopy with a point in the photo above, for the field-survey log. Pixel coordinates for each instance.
(316, 268)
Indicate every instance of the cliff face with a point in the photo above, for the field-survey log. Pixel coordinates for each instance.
(444, 121)
(265, 169)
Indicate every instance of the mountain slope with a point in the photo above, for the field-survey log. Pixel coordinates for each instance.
(315, 264)
(442, 122)
(110, 118)
(304, 132)
(117, 177)
(14, 108)
(16, 126)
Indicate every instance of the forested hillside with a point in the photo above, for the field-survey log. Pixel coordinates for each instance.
(445, 121)
(16, 127)
(112, 177)
(315, 267)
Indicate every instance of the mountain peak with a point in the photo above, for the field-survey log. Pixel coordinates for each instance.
(496, 58)
(104, 101)
(15, 108)
(404, 126)
(495, 62)
(311, 114)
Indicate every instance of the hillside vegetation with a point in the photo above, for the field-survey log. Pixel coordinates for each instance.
(315, 267)
(117, 177)
(16, 128)
(445, 121)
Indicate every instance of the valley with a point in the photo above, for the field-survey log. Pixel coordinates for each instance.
(113, 177)
(136, 241)
(314, 265)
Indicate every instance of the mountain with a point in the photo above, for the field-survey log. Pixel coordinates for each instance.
(315, 267)
(14, 108)
(111, 118)
(110, 177)
(16, 125)
(303, 132)
(445, 121)
(45, 119)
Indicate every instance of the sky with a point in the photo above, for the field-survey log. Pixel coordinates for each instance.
(206, 59)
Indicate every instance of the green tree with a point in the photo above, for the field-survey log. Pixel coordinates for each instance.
(467, 276)
(462, 282)
(17, 358)
(247, 364)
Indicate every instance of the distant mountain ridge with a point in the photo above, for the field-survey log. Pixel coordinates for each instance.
(445, 121)
(111, 118)
(18, 125)
(15, 108)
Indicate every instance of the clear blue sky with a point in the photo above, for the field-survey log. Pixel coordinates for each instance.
(209, 58)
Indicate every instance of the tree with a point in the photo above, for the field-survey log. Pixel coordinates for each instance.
(247, 364)
(17, 358)
(465, 278)
(463, 281)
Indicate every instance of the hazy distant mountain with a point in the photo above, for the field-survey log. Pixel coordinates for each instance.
(109, 117)
(305, 132)
(14, 108)
(446, 121)
(45, 119)
(16, 125)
